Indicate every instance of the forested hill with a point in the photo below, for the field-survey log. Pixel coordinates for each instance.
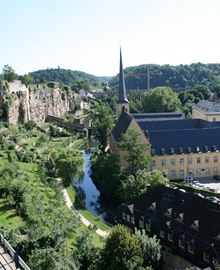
(65, 76)
(177, 77)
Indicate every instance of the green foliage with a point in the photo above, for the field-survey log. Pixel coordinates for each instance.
(103, 122)
(68, 163)
(69, 77)
(135, 98)
(106, 169)
(151, 249)
(121, 251)
(161, 99)
(26, 79)
(135, 153)
(177, 77)
(9, 73)
(30, 125)
(50, 259)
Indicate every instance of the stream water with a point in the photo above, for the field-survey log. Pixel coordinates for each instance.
(90, 195)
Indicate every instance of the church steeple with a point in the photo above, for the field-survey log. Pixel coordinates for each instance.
(122, 103)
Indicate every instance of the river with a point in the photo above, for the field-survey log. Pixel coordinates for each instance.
(90, 195)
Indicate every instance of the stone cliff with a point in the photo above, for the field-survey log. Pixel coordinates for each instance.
(35, 102)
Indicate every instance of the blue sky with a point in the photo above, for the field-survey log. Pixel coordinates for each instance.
(86, 35)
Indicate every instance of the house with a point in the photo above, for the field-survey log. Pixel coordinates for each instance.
(206, 110)
(182, 147)
(186, 223)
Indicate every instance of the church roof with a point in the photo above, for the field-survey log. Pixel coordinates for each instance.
(121, 125)
(122, 91)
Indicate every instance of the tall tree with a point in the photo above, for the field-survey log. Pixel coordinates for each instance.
(161, 99)
(9, 73)
(121, 251)
(136, 156)
(68, 162)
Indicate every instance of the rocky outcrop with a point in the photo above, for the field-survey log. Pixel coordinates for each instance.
(37, 101)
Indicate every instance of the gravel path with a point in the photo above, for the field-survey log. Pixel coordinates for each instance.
(84, 221)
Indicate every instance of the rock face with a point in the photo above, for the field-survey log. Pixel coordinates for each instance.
(37, 101)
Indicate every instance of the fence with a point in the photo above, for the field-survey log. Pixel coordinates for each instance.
(13, 253)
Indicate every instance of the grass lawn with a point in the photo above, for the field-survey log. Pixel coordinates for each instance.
(9, 217)
(83, 211)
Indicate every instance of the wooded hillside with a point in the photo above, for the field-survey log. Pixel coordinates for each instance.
(177, 77)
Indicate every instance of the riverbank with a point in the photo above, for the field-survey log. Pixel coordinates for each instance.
(86, 222)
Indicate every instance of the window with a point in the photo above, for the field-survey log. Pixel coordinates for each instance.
(162, 151)
(163, 162)
(153, 151)
(198, 171)
(173, 173)
(215, 159)
(148, 227)
(132, 219)
(182, 161)
(214, 119)
(190, 161)
(197, 149)
(171, 150)
(153, 163)
(181, 243)
(191, 247)
(198, 160)
(124, 216)
(141, 223)
(215, 170)
(206, 159)
(181, 150)
(206, 148)
(170, 237)
(206, 257)
(173, 162)
(162, 234)
(128, 218)
(207, 171)
(182, 173)
(189, 149)
(214, 147)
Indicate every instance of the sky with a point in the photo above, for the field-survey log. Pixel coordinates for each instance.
(87, 35)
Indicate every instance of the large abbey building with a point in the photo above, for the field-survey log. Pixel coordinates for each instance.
(182, 147)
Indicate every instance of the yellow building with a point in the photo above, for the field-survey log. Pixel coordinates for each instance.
(206, 110)
(182, 147)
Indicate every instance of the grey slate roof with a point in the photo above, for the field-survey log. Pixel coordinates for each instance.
(139, 117)
(207, 107)
(121, 125)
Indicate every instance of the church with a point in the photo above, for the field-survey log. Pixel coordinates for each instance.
(182, 147)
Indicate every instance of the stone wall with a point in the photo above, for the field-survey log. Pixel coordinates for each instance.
(36, 102)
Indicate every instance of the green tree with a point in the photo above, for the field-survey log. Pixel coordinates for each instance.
(68, 163)
(136, 155)
(103, 121)
(9, 73)
(161, 99)
(27, 79)
(150, 247)
(121, 251)
(30, 125)
(204, 90)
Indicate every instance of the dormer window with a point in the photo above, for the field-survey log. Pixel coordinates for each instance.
(169, 211)
(141, 222)
(180, 217)
(181, 150)
(191, 246)
(195, 224)
(197, 149)
(206, 148)
(214, 147)
(189, 149)
(153, 206)
(162, 151)
(171, 150)
(153, 151)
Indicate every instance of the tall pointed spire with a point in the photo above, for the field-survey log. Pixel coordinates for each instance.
(122, 91)
(122, 103)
